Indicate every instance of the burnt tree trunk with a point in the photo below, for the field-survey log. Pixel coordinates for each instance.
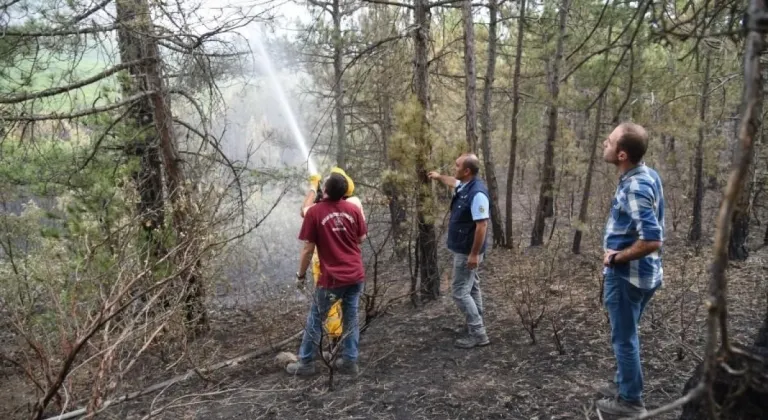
(338, 88)
(486, 129)
(740, 397)
(737, 242)
(470, 91)
(145, 144)
(698, 163)
(513, 128)
(584, 207)
(135, 16)
(396, 209)
(334, 8)
(546, 205)
(765, 236)
(427, 242)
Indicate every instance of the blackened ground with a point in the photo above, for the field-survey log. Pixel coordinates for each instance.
(410, 370)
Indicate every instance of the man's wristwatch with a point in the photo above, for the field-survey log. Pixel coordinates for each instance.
(301, 281)
(612, 259)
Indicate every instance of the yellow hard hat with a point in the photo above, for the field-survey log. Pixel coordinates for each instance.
(350, 183)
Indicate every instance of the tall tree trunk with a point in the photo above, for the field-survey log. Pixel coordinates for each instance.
(513, 128)
(148, 177)
(698, 164)
(545, 207)
(584, 208)
(430, 279)
(134, 14)
(338, 89)
(470, 91)
(738, 393)
(737, 242)
(486, 128)
(396, 209)
(193, 289)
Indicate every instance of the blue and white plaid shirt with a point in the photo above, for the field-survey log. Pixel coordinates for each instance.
(637, 212)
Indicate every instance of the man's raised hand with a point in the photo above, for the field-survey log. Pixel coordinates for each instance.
(314, 181)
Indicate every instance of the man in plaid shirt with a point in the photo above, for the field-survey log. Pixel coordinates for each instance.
(632, 261)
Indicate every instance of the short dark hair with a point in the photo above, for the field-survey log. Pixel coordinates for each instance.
(472, 163)
(633, 141)
(335, 187)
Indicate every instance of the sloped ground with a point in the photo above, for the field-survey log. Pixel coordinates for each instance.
(410, 370)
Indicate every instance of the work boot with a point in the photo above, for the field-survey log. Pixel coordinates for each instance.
(300, 368)
(472, 340)
(619, 407)
(347, 367)
(608, 389)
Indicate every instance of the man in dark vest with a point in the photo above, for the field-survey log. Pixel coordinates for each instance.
(470, 211)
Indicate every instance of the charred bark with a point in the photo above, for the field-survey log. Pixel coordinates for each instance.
(486, 129)
(513, 129)
(396, 208)
(470, 91)
(737, 242)
(584, 207)
(338, 90)
(546, 205)
(698, 182)
(135, 17)
(430, 279)
(145, 145)
(740, 396)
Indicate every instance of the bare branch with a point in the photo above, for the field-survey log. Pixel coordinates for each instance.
(101, 138)
(60, 32)
(389, 3)
(184, 50)
(443, 3)
(692, 395)
(182, 377)
(630, 86)
(623, 54)
(78, 114)
(326, 6)
(57, 90)
(592, 32)
(89, 12)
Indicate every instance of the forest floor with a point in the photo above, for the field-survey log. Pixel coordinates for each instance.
(410, 369)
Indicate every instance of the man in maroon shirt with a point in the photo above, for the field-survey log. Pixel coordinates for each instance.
(337, 227)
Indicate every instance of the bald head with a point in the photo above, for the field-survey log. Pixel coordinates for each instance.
(472, 163)
(467, 166)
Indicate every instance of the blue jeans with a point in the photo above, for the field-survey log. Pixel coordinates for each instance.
(323, 299)
(625, 304)
(466, 293)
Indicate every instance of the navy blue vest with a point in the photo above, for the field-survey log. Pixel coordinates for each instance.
(461, 227)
